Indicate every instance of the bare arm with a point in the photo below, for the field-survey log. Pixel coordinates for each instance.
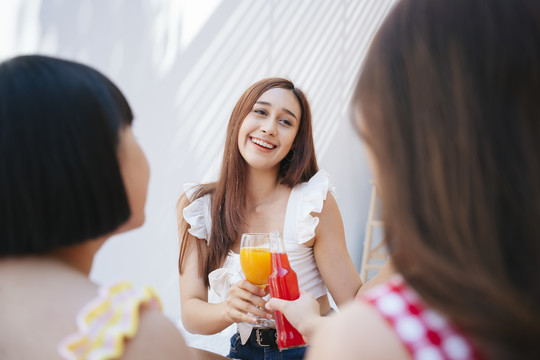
(334, 261)
(331, 254)
(198, 315)
(381, 277)
(158, 338)
(303, 313)
(356, 332)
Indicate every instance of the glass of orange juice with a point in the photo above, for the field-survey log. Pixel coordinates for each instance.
(256, 263)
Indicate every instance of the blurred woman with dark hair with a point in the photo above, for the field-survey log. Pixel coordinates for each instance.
(448, 106)
(71, 176)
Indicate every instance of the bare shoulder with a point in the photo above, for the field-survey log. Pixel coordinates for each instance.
(330, 198)
(356, 332)
(156, 338)
(330, 221)
(330, 211)
(330, 203)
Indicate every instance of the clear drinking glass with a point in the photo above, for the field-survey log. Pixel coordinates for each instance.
(256, 264)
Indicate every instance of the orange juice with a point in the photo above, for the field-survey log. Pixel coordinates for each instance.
(256, 265)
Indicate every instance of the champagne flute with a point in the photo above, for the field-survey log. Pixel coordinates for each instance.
(256, 264)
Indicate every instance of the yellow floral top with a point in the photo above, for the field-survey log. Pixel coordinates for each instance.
(106, 322)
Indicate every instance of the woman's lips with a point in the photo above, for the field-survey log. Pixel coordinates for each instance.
(263, 143)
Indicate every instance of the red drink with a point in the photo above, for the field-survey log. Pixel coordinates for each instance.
(283, 284)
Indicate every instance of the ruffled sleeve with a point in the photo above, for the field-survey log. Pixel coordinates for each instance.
(105, 323)
(221, 280)
(312, 195)
(198, 213)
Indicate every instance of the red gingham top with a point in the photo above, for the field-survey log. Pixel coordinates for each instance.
(427, 334)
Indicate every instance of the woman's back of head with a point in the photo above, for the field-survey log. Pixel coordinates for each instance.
(70, 171)
(60, 182)
(449, 102)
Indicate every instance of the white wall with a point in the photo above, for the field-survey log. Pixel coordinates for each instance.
(182, 66)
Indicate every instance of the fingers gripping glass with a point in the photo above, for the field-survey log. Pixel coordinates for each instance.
(256, 264)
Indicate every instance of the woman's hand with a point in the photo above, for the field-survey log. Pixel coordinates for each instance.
(302, 313)
(244, 298)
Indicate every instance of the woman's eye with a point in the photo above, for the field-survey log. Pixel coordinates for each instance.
(286, 122)
(260, 112)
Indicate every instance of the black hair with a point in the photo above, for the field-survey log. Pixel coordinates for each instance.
(60, 182)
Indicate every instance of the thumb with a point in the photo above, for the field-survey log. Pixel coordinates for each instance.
(275, 304)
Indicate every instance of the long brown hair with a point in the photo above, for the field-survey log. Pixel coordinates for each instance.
(449, 99)
(228, 194)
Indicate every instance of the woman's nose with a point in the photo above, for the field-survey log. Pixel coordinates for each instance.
(269, 127)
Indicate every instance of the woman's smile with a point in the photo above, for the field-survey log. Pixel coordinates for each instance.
(266, 145)
(268, 131)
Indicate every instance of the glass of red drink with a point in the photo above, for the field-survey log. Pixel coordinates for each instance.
(283, 284)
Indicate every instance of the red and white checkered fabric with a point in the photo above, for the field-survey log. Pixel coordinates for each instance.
(427, 334)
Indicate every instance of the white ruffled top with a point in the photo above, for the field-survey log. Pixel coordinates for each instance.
(299, 227)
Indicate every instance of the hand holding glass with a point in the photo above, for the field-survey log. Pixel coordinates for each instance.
(256, 264)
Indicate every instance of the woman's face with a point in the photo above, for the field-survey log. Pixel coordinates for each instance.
(267, 133)
(135, 173)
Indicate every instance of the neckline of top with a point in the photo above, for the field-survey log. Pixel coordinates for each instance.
(285, 222)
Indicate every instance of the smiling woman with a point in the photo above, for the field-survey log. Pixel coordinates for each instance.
(269, 181)
(267, 133)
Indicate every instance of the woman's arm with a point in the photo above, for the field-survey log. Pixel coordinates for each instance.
(158, 338)
(198, 316)
(334, 261)
(356, 332)
(201, 317)
(381, 277)
(331, 254)
(339, 331)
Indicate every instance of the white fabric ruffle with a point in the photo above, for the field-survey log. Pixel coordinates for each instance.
(198, 214)
(312, 197)
(221, 280)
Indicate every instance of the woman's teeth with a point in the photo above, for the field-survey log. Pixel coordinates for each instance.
(263, 143)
